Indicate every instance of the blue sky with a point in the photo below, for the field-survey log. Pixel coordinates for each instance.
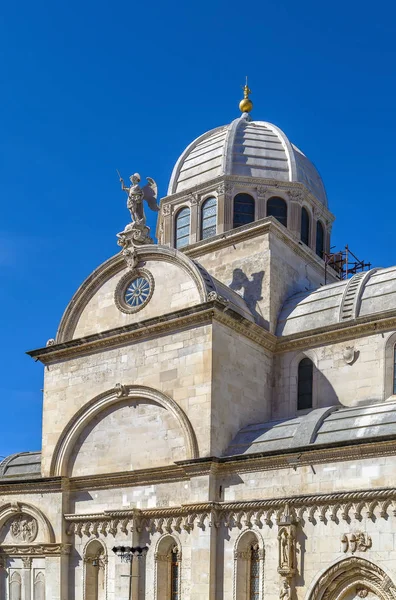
(89, 87)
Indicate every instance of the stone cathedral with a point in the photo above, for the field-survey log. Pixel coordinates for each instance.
(219, 418)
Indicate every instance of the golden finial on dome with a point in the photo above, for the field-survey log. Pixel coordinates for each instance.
(246, 104)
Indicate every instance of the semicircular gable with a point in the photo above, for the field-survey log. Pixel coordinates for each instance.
(104, 404)
(177, 283)
(17, 512)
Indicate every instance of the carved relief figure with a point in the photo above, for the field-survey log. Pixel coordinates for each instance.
(285, 591)
(24, 528)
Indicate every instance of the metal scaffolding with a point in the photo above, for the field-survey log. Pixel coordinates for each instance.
(344, 263)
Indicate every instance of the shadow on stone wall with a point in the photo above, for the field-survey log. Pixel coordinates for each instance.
(251, 292)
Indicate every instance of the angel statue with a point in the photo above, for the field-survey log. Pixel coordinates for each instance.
(136, 195)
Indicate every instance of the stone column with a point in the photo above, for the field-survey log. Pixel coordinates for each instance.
(166, 224)
(261, 203)
(27, 577)
(195, 220)
(221, 209)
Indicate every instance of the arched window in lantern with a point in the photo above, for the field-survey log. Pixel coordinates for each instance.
(320, 235)
(208, 218)
(277, 207)
(182, 227)
(243, 210)
(305, 222)
(305, 384)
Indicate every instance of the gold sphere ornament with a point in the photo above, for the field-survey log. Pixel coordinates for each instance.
(246, 104)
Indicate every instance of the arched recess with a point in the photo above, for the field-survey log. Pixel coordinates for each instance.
(81, 419)
(350, 577)
(167, 568)
(39, 586)
(249, 566)
(115, 265)
(95, 571)
(13, 509)
(15, 586)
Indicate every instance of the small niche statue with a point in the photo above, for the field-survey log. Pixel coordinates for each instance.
(138, 230)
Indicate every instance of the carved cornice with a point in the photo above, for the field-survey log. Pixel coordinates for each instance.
(359, 327)
(164, 325)
(343, 506)
(28, 550)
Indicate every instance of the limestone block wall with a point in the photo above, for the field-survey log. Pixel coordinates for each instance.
(244, 267)
(291, 272)
(366, 380)
(318, 478)
(157, 495)
(178, 365)
(241, 388)
(173, 289)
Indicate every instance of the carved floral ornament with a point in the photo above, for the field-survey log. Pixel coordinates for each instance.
(335, 507)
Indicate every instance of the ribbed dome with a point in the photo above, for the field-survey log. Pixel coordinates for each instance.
(247, 148)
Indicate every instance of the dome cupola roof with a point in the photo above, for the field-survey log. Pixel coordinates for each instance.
(246, 148)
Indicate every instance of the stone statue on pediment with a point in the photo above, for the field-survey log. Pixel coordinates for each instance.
(138, 230)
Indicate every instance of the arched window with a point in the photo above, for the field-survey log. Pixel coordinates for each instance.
(39, 586)
(248, 567)
(243, 210)
(305, 381)
(168, 562)
(15, 586)
(254, 587)
(394, 369)
(182, 228)
(277, 207)
(319, 239)
(304, 226)
(174, 595)
(208, 218)
(95, 564)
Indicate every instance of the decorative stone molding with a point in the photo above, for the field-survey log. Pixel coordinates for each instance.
(35, 550)
(166, 210)
(352, 573)
(27, 562)
(345, 506)
(128, 279)
(349, 355)
(359, 541)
